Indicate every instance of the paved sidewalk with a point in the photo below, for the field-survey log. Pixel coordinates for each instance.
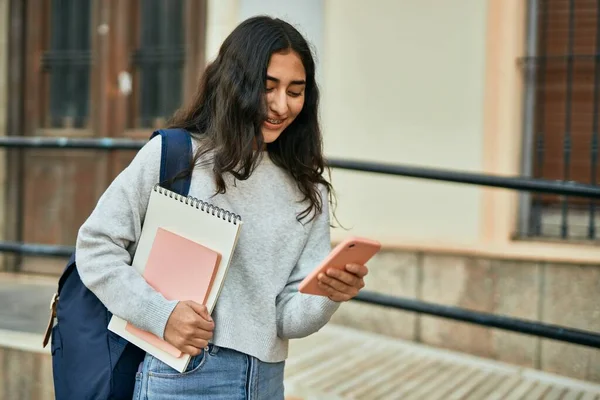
(335, 363)
(342, 363)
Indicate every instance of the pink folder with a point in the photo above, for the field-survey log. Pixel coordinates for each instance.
(180, 269)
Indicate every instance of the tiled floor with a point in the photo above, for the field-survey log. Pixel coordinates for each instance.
(337, 362)
(341, 363)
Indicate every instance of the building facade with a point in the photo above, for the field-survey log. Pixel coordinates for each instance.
(466, 85)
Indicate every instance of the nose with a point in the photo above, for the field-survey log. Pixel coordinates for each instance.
(278, 102)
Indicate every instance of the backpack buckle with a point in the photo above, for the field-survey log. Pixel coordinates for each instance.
(53, 303)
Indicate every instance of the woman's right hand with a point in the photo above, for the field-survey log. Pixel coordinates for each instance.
(189, 327)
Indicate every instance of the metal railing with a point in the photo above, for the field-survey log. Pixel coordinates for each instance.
(555, 332)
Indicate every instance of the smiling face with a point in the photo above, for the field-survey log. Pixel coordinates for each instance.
(285, 86)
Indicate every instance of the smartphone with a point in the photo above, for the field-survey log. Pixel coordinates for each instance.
(354, 250)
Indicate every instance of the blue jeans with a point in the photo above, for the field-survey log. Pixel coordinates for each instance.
(219, 374)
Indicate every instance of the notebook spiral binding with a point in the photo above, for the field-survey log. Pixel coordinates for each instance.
(201, 205)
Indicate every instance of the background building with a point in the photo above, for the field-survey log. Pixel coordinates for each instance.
(470, 85)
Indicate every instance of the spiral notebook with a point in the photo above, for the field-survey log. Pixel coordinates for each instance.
(180, 269)
(174, 220)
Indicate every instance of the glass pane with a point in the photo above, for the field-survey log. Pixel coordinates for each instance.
(67, 63)
(159, 62)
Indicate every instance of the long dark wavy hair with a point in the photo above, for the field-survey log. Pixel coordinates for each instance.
(229, 109)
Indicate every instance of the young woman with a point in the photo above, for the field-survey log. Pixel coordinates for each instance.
(258, 153)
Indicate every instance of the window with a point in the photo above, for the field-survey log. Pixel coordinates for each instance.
(66, 64)
(561, 115)
(76, 55)
(158, 62)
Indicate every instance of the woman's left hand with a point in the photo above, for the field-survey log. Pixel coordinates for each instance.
(343, 285)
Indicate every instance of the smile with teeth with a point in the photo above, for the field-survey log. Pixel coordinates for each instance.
(274, 121)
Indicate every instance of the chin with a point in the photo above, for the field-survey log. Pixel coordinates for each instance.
(270, 136)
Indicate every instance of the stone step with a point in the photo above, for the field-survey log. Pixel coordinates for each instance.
(25, 302)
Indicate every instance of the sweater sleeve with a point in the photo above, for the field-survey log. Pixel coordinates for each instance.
(102, 256)
(298, 314)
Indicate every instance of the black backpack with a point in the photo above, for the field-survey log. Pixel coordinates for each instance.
(88, 360)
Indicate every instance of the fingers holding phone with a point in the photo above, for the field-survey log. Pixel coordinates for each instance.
(343, 285)
(341, 275)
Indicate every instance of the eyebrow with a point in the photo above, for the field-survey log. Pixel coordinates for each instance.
(300, 82)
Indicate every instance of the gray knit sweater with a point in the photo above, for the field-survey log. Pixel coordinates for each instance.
(259, 308)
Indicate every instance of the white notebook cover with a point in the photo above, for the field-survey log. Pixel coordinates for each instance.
(208, 227)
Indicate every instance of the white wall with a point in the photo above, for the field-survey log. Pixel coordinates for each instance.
(403, 82)
(222, 17)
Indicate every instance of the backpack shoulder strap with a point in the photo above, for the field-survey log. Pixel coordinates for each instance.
(176, 154)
